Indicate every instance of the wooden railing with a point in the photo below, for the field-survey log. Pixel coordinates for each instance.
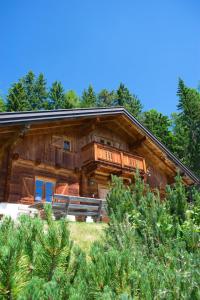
(104, 153)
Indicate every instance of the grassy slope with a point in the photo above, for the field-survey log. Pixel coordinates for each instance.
(84, 234)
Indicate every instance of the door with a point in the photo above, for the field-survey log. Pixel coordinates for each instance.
(102, 191)
(44, 190)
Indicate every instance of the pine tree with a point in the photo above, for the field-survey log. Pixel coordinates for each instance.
(129, 101)
(181, 138)
(14, 264)
(56, 96)
(89, 98)
(2, 105)
(40, 92)
(17, 98)
(28, 94)
(71, 100)
(159, 125)
(28, 82)
(189, 106)
(106, 98)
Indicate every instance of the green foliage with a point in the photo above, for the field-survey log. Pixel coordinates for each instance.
(17, 98)
(189, 120)
(2, 105)
(89, 98)
(29, 93)
(159, 125)
(40, 92)
(28, 83)
(160, 238)
(71, 100)
(106, 98)
(150, 251)
(56, 96)
(129, 101)
(180, 137)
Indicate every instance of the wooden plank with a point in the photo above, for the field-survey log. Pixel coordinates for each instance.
(71, 206)
(78, 213)
(99, 211)
(83, 206)
(77, 198)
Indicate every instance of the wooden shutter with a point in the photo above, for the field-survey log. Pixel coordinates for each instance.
(28, 187)
(61, 188)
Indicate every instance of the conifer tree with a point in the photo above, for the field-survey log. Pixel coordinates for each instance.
(129, 101)
(71, 100)
(181, 138)
(40, 92)
(2, 105)
(106, 98)
(28, 82)
(159, 125)
(89, 98)
(189, 117)
(56, 96)
(17, 98)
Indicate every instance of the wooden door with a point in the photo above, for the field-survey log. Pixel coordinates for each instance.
(102, 191)
(27, 196)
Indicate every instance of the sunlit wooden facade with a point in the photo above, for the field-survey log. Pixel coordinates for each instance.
(75, 152)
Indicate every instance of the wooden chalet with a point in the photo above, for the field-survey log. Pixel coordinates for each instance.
(75, 152)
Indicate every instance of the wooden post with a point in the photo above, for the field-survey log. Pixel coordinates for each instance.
(99, 211)
(9, 146)
(122, 159)
(95, 152)
(67, 207)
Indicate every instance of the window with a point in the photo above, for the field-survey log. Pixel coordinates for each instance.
(44, 190)
(38, 190)
(67, 145)
(105, 141)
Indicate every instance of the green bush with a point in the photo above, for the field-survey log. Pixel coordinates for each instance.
(150, 251)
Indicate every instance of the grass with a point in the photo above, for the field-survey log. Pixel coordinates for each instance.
(84, 234)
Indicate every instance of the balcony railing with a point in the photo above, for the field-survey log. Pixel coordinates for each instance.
(103, 153)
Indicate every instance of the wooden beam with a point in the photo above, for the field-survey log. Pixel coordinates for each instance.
(126, 130)
(89, 126)
(9, 146)
(138, 143)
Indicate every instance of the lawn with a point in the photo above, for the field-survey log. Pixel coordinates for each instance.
(84, 234)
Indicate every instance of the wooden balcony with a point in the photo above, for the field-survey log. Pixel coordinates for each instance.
(99, 153)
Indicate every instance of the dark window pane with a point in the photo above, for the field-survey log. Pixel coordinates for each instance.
(67, 145)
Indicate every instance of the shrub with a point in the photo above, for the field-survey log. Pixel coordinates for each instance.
(150, 251)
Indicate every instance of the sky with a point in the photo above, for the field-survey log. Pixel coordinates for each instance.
(145, 44)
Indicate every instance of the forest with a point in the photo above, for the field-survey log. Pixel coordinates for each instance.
(180, 132)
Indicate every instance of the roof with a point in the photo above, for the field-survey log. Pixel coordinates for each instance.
(18, 118)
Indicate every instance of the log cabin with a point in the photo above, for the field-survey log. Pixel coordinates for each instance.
(75, 152)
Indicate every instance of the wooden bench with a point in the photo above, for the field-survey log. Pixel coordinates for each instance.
(79, 206)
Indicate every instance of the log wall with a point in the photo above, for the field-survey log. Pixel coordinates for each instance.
(40, 153)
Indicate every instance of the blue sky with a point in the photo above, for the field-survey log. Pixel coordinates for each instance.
(146, 44)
